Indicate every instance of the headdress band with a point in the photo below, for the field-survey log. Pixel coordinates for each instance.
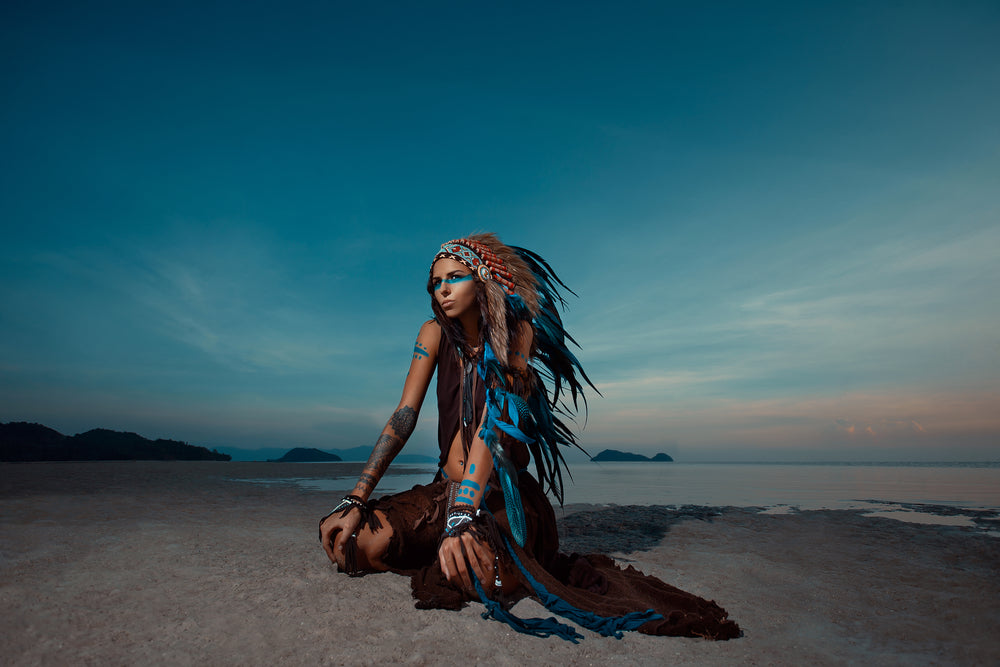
(480, 259)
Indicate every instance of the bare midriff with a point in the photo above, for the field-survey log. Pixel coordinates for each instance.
(454, 467)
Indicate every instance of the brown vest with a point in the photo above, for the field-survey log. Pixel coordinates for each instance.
(449, 395)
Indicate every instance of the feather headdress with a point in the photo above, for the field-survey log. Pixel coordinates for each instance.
(514, 285)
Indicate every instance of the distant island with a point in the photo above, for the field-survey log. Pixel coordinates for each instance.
(615, 455)
(24, 441)
(305, 455)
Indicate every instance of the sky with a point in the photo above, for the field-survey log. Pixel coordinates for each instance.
(782, 219)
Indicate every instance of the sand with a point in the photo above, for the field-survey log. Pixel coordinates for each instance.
(176, 563)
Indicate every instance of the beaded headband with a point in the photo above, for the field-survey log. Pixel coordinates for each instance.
(480, 259)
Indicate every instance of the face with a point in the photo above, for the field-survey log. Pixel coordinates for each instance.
(454, 287)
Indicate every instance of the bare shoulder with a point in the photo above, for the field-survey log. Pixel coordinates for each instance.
(428, 341)
(430, 329)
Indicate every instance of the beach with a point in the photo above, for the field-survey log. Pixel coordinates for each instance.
(180, 563)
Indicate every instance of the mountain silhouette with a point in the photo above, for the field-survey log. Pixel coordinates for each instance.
(306, 455)
(23, 441)
(615, 455)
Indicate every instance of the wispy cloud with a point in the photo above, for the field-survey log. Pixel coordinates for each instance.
(884, 344)
(228, 298)
(886, 313)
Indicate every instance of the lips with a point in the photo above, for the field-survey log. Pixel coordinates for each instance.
(447, 304)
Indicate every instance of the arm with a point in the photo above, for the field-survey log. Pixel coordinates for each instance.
(335, 529)
(404, 419)
(479, 468)
(454, 552)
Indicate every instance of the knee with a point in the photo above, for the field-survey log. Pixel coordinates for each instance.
(366, 551)
(373, 546)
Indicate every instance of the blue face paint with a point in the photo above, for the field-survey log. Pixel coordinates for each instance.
(452, 281)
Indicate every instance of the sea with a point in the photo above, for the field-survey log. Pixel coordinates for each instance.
(936, 493)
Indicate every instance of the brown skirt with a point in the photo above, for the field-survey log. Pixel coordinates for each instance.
(593, 582)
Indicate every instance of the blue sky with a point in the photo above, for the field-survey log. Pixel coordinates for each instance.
(781, 218)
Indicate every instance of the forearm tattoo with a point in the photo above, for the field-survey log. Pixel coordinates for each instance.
(367, 482)
(387, 446)
(385, 449)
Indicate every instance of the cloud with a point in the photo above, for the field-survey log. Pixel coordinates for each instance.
(893, 423)
(913, 309)
(884, 345)
(226, 295)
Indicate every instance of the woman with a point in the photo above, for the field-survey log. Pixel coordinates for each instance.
(483, 529)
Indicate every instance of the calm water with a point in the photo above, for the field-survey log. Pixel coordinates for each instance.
(805, 486)
(830, 486)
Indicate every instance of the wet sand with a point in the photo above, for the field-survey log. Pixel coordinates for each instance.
(178, 563)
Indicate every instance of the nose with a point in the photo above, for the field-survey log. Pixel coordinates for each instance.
(444, 288)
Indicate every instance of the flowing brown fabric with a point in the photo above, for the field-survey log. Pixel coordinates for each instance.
(591, 582)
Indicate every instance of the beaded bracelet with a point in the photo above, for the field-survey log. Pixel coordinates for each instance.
(345, 505)
(458, 517)
(352, 500)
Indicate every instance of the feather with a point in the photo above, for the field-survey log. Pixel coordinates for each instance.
(524, 288)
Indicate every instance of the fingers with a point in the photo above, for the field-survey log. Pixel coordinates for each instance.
(458, 555)
(328, 532)
(451, 560)
(334, 533)
(453, 564)
(480, 558)
(340, 541)
(328, 548)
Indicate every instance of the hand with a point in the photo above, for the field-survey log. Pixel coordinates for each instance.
(334, 532)
(455, 563)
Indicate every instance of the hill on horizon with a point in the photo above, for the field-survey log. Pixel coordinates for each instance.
(615, 455)
(25, 441)
(305, 455)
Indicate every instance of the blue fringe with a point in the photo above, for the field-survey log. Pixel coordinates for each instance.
(606, 626)
(546, 627)
(536, 627)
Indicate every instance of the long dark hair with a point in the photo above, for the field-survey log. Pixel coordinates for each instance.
(553, 381)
